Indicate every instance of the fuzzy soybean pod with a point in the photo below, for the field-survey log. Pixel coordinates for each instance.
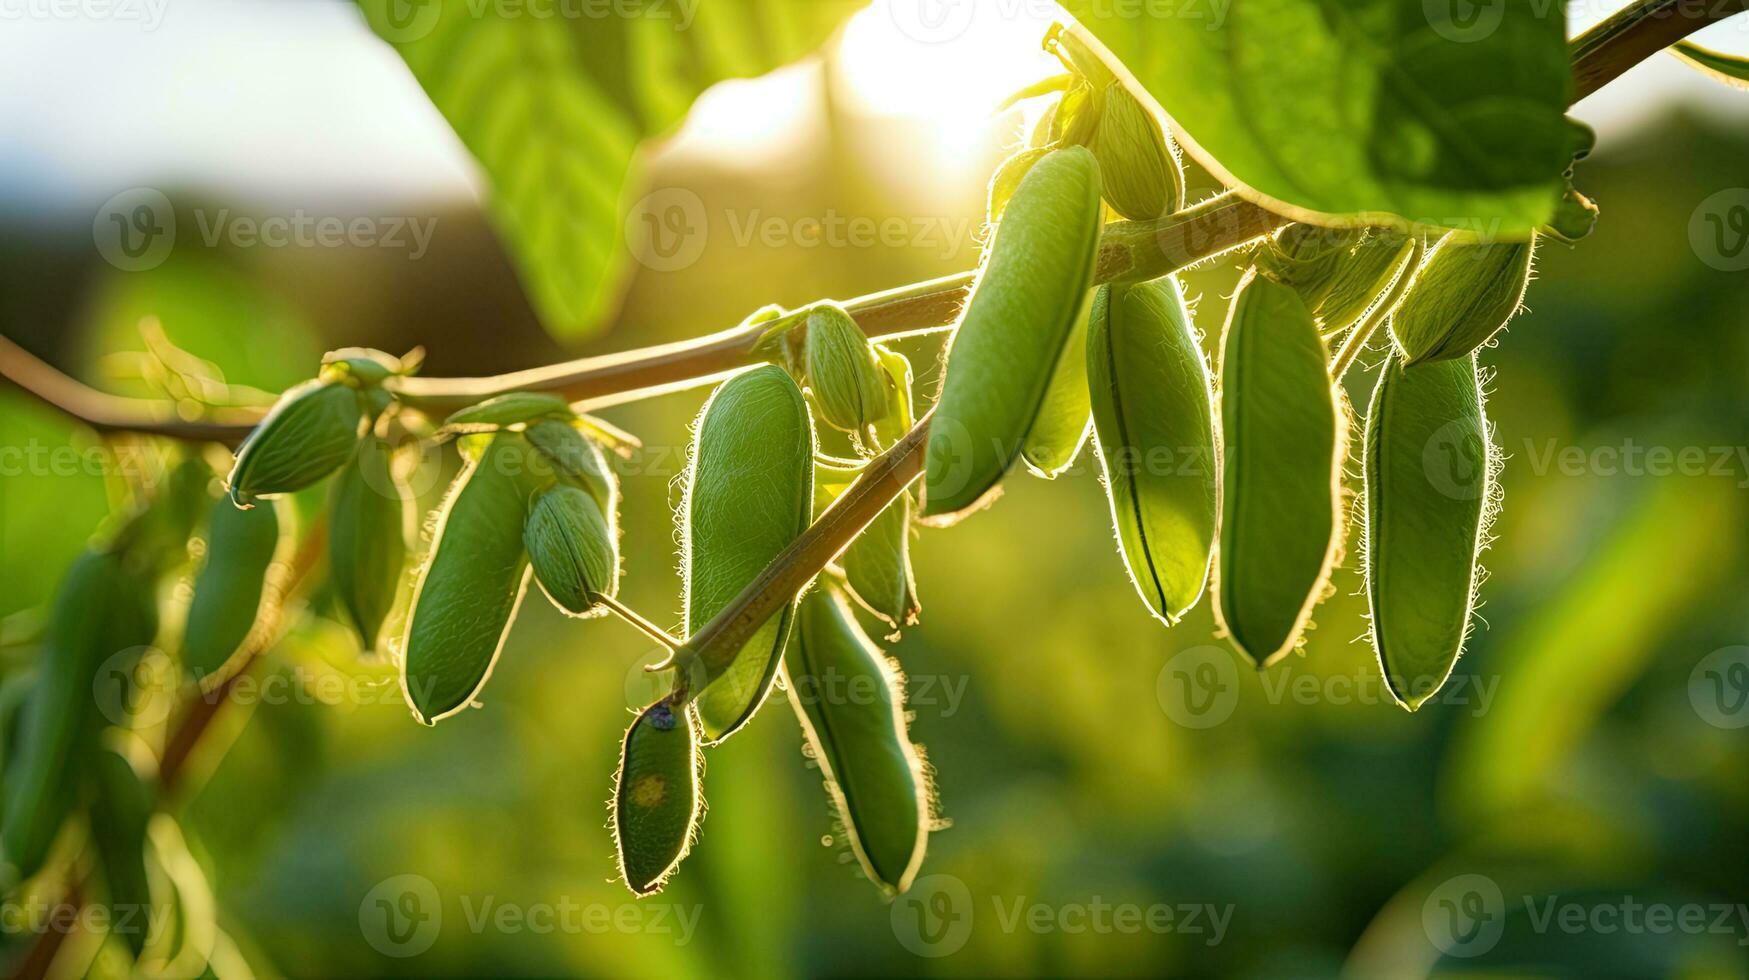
(843, 371)
(573, 548)
(878, 563)
(1154, 414)
(120, 811)
(1141, 175)
(309, 433)
(575, 460)
(102, 611)
(469, 590)
(1429, 477)
(232, 588)
(367, 537)
(1013, 332)
(1359, 280)
(1281, 455)
(507, 409)
(1463, 296)
(1007, 179)
(656, 800)
(851, 704)
(1066, 415)
(749, 493)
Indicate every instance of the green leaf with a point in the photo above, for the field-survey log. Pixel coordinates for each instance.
(555, 107)
(1365, 109)
(1726, 68)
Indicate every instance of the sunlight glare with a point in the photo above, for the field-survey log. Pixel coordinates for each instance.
(953, 76)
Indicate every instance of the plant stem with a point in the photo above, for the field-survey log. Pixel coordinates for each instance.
(113, 413)
(636, 619)
(1637, 32)
(1131, 251)
(713, 648)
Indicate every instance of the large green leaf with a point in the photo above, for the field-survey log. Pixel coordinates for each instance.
(554, 98)
(1441, 112)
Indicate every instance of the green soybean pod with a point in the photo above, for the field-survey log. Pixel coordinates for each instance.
(749, 493)
(843, 372)
(1154, 415)
(576, 460)
(656, 799)
(1281, 458)
(1463, 296)
(1364, 273)
(1013, 332)
(120, 812)
(851, 705)
(367, 537)
(1007, 178)
(232, 588)
(513, 408)
(309, 433)
(102, 610)
(877, 564)
(469, 590)
(574, 549)
(1429, 477)
(1141, 176)
(1066, 415)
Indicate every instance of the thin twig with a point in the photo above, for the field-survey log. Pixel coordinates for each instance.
(643, 625)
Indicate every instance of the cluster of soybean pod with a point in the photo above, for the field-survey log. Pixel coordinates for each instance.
(1040, 359)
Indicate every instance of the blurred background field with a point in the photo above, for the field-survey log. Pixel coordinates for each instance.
(1585, 755)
